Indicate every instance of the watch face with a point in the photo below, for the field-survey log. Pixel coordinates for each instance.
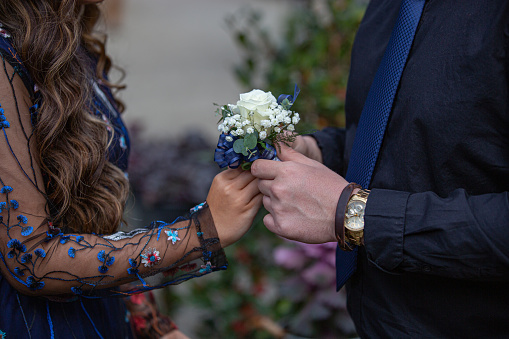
(355, 216)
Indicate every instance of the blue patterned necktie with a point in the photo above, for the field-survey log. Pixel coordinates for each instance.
(375, 114)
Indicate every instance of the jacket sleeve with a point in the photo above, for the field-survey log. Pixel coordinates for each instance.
(37, 258)
(459, 236)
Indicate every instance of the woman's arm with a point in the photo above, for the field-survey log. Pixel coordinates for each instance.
(38, 259)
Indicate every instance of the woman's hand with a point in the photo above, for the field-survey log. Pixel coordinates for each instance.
(234, 199)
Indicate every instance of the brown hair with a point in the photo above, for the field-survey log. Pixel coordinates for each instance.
(55, 41)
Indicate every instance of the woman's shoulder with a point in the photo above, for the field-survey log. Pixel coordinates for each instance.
(10, 55)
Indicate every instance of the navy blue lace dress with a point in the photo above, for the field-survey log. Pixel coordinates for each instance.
(68, 285)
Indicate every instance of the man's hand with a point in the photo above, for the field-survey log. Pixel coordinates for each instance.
(301, 196)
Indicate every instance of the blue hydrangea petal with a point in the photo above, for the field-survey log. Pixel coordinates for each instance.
(132, 262)
(79, 238)
(103, 269)
(14, 204)
(19, 271)
(71, 252)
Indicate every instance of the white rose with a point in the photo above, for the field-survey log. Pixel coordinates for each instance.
(263, 135)
(258, 102)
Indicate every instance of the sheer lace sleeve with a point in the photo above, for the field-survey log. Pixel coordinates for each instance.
(39, 259)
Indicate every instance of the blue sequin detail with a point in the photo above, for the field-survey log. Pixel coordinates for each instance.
(19, 271)
(40, 253)
(3, 121)
(22, 219)
(33, 284)
(101, 256)
(110, 261)
(16, 245)
(103, 269)
(132, 270)
(132, 262)
(13, 243)
(14, 204)
(76, 290)
(6, 189)
(79, 238)
(64, 239)
(3, 206)
(26, 258)
(71, 252)
(26, 231)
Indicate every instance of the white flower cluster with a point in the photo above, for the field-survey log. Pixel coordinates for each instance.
(257, 110)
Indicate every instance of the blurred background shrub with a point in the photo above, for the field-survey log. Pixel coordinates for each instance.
(273, 288)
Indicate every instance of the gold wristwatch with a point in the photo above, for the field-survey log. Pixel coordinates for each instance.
(354, 218)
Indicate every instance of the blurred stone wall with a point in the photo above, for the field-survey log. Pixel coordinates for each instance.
(178, 57)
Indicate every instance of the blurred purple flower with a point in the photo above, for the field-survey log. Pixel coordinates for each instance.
(319, 274)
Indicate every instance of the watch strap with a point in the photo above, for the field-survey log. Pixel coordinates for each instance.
(356, 237)
(340, 216)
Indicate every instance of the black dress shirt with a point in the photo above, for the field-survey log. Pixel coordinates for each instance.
(436, 259)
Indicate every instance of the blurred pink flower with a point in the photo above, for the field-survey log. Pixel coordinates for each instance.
(289, 258)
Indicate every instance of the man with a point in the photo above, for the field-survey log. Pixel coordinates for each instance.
(435, 259)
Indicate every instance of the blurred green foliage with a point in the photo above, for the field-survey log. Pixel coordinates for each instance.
(313, 51)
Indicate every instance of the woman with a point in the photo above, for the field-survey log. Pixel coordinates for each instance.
(63, 186)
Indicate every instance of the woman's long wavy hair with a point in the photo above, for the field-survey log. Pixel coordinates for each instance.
(54, 39)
